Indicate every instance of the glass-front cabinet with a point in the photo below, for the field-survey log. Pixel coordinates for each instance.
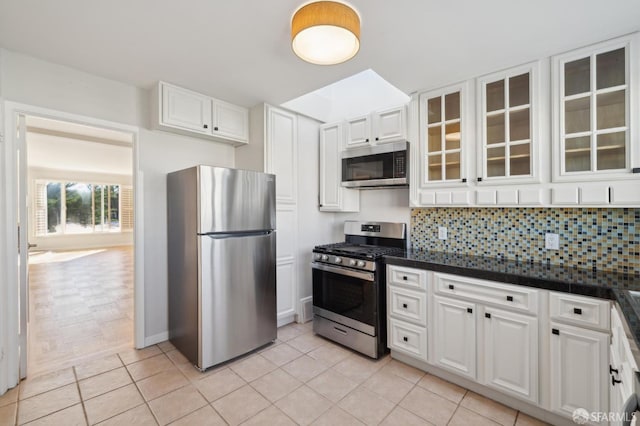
(507, 108)
(593, 112)
(442, 136)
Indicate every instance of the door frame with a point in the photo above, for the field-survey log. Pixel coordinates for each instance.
(9, 282)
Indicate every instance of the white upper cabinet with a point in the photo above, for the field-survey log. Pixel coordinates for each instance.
(333, 197)
(230, 121)
(358, 132)
(441, 148)
(508, 125)
(595, 104)
(389, 125)
(183, 111)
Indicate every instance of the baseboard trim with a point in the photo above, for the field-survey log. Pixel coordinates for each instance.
(288, 319)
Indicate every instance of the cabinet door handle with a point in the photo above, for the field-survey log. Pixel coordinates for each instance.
(479, 179)
(404, 305)
(614, 381)
(405, 338)
(470, 310)
(509, 298)
(451, 287)
(377, 138)
(206, 126)
(404, 277)
(612, 370)
(464, 180)
(367, 140)
(341, 331)
(487, 315)
(577, 311)
(215, 128)
(555, 331)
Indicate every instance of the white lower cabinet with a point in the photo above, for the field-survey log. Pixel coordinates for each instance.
(408, 338)
(511, 353)
(579, 369)
(455, 335)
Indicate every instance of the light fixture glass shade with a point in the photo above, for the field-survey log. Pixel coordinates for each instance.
(325, 33)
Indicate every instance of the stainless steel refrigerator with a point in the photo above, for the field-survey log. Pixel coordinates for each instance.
(222, 262)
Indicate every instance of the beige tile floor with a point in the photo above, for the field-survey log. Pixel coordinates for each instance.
(300, 379)
(80, 306)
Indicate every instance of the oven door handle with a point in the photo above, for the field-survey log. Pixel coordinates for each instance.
(367, 276)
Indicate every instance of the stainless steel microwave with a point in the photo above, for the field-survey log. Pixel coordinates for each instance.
(376, 166)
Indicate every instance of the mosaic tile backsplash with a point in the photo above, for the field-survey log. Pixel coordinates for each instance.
(601, 239)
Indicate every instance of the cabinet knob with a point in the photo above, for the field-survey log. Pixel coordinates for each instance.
(367, 140)
(479, 179)
(405, 338)
(404, 277)
(577, 311)
(377, 138)
(487, 315)
(464, 180)
(555, 331)
(404, 305)
(451, 287)
(470, 310)
(215, 128)
(206, 126)
(509, 298)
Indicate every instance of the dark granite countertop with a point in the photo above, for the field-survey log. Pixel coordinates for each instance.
(605, 285)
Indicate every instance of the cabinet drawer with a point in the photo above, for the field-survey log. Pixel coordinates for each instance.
(579, 310)
(407, 277)
(514, 297)
(408, 305)
(408, 338)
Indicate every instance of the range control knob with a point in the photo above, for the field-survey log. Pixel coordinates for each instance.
(317, 256)
(361, 263)
(325, 257)
(337, 260)
(352, 262)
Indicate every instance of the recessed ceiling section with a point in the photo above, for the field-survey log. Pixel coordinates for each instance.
(353, 96)
(64, 146)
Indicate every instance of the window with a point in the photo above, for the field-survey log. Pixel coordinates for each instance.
(80, 208)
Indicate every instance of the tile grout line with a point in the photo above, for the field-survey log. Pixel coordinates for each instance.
(84, 409)
(144, 402)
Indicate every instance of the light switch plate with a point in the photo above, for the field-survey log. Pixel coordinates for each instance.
(442, 232)
(551, 241)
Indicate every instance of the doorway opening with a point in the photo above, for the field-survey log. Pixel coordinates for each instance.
(80, 294)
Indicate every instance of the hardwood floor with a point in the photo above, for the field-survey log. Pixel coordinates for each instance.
(80, 306)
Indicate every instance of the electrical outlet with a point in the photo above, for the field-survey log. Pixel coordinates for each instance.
(442, 232)
(551, 241)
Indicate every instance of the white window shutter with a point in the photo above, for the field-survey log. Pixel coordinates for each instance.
(126, 207)
(40, 209)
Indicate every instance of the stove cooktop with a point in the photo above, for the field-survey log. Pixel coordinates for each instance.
(357, 250)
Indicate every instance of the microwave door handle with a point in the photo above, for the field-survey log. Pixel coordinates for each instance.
(367, 276)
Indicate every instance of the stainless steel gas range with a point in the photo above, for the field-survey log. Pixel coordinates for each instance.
(349, 280)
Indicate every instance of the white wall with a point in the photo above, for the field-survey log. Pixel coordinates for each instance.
(39, 83)
(382, 205)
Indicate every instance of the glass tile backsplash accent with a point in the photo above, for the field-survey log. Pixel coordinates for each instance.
(604, 239)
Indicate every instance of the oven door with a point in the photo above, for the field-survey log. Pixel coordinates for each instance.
(346, 296)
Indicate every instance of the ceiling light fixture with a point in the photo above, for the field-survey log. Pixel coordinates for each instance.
(325, 32)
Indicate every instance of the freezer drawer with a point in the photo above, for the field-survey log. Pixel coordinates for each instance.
(237, 278)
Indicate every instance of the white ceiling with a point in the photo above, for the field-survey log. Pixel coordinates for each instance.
(239, 50)
(67, 146)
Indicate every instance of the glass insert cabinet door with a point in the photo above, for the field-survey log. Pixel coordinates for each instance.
(592, 90)
(507, 111)
(442, 135)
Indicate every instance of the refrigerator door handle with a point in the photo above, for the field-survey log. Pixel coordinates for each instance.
(222, 235)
